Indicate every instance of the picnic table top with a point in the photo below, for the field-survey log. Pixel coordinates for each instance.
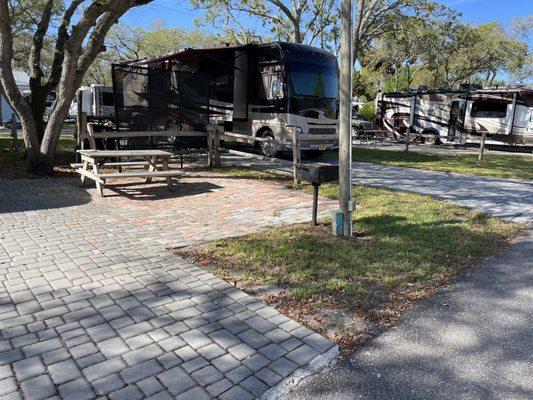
(124, 153)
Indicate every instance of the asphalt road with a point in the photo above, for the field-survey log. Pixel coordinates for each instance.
(472, 340)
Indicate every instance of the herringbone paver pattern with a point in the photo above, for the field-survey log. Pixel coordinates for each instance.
(93, 306)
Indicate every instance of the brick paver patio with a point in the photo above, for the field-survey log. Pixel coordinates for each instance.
(92, 305)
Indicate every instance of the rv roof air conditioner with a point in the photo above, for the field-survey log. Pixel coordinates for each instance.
(470, 86)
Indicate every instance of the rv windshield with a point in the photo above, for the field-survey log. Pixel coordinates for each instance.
(313, 79)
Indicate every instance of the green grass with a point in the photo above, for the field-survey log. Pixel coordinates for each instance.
(400, 238)
(12, 165)
(404, 245)
(495, 165)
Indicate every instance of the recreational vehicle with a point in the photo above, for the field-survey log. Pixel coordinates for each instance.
(260, 90)
(459, 116)
(23, 84)
(97, 101)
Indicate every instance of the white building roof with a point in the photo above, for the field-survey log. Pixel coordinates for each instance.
(21, 77)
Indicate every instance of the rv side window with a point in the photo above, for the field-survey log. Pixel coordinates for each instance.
(487, 108)
(273, 84)
(107, 99)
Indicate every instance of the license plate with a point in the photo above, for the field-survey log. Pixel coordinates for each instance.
(322, 147)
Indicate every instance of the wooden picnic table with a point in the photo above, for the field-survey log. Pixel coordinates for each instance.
(156, 163)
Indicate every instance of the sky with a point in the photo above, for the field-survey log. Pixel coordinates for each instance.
(179, 13)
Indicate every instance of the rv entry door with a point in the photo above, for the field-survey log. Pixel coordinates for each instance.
(455, 119)
(240, 87)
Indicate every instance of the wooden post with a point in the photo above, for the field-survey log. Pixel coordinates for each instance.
(482, 146)
(345, 117)
(210, 160)
(81, 132)
(89, 131)
(407, 139)
(216, 145)
(296, 156)
(14, 132)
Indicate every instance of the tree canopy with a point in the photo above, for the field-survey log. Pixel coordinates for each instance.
(72, 33)
(125, 43)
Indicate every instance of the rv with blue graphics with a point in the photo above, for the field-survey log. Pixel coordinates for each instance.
(504, 115)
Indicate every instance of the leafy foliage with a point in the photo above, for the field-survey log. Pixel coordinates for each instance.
(300, 21)
(368, 111)
(126, 43)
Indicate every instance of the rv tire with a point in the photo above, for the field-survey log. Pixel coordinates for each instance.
(269, 148)
(432, 139)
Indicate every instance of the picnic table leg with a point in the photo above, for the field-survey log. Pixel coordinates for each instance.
(164, 161)
(85, 168)
(99, 186)
(152, 167)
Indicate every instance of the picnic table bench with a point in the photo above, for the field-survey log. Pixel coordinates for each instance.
(374, 135)
(156, 165)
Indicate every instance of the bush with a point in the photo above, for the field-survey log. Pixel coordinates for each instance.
(368, 111)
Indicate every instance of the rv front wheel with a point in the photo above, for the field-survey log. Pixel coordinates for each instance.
(269, 148)
(431, 138)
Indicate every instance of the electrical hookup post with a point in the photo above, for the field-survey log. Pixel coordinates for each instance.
(342, 219)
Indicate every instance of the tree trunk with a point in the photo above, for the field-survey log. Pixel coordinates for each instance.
(38, 108)
(51, 136)
(29, 132)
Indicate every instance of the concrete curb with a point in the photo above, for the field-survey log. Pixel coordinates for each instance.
(289, 383)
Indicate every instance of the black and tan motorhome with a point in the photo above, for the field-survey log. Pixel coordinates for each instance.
(265, 90)
(461, 115)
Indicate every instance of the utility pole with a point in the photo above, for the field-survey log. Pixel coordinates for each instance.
(345, 117)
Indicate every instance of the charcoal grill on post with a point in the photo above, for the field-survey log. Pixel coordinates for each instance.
(317, 174)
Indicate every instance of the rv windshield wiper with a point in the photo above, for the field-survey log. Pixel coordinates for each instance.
(311, 96)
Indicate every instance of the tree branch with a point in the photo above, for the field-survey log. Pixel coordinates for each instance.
(62, 38)
(36, 72)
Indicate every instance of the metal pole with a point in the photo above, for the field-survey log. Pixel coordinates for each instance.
(296, 156)
(345, 117)
(315, 201)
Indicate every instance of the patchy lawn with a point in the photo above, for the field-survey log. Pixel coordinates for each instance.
(496, 165)
(12, 165)
(405, 246)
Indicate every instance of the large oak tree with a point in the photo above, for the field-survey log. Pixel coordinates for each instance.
(75, 30)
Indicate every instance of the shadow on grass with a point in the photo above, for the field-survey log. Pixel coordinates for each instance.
(389, 253)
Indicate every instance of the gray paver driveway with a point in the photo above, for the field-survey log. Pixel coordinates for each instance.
(92, 305)
(505, 198)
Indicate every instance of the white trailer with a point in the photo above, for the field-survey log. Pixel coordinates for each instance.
(96, 101)
(505, 115)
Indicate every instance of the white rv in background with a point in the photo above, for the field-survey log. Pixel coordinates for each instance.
(23, 83)
(460, 115)
(96, 101)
